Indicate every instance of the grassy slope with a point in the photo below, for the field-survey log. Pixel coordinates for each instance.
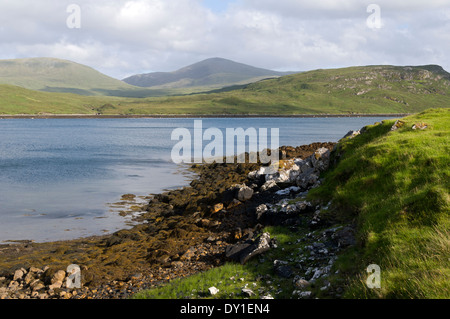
(55, 75)
(395, 187)
(17, 100)
(340, 91)
(381, 90)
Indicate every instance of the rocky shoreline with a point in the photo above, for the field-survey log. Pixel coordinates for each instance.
(218, 218)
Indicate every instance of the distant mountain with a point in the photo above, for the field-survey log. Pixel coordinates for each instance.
(214, 72)
(55, 75)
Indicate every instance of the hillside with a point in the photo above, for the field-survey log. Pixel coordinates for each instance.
(394, 186)
(17, 100)
(55, 75)
(354, 90)
(212, 73)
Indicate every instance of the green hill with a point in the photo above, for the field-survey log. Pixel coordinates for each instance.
(55, 75)
(354, 90)
(63, 76)
(369, 89)
(17, 100)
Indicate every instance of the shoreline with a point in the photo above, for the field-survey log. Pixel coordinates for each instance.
(170, 116)
(182, 232)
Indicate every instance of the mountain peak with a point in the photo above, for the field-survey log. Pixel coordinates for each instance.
(212, 72)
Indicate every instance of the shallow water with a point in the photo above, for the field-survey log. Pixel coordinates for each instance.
(58, 177)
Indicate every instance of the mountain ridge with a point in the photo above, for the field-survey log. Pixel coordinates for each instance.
(379, 89)
(210, 72)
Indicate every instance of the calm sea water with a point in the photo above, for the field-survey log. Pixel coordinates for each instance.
(58, 177)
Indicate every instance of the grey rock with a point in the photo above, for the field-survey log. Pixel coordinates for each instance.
(352, 134)
(247, 292)
(307, 179)
(303, 205)
(242, 252)
(321, 159)
(270, 186)
(245, 193)
(302, 284)
(279, 177)
(261, 210)
(397, 125)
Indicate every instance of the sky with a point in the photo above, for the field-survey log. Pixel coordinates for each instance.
(121, 38)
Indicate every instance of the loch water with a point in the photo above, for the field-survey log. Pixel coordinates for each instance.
(59, 178)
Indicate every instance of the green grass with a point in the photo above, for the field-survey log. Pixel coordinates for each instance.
(16, 100)
(395, 186)
(55, 75)
(360, 90)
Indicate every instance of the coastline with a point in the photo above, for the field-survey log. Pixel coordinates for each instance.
(182, 232)
(169, 116)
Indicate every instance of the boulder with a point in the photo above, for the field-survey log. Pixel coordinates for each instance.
(281, 176)
(321, 159)
(58, 276)
(18, 274)
(245, 193)
(303, 205)
(307, 179)
(420, 126)
(397, 125)
(242, 252)
(261, 210)
(270, 186)
(247, 292)
(301, 283)
(351, 134)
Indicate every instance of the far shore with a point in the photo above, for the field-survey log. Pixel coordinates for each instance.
(105, 116)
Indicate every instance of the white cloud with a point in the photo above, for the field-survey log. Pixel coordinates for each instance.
(121, 38)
